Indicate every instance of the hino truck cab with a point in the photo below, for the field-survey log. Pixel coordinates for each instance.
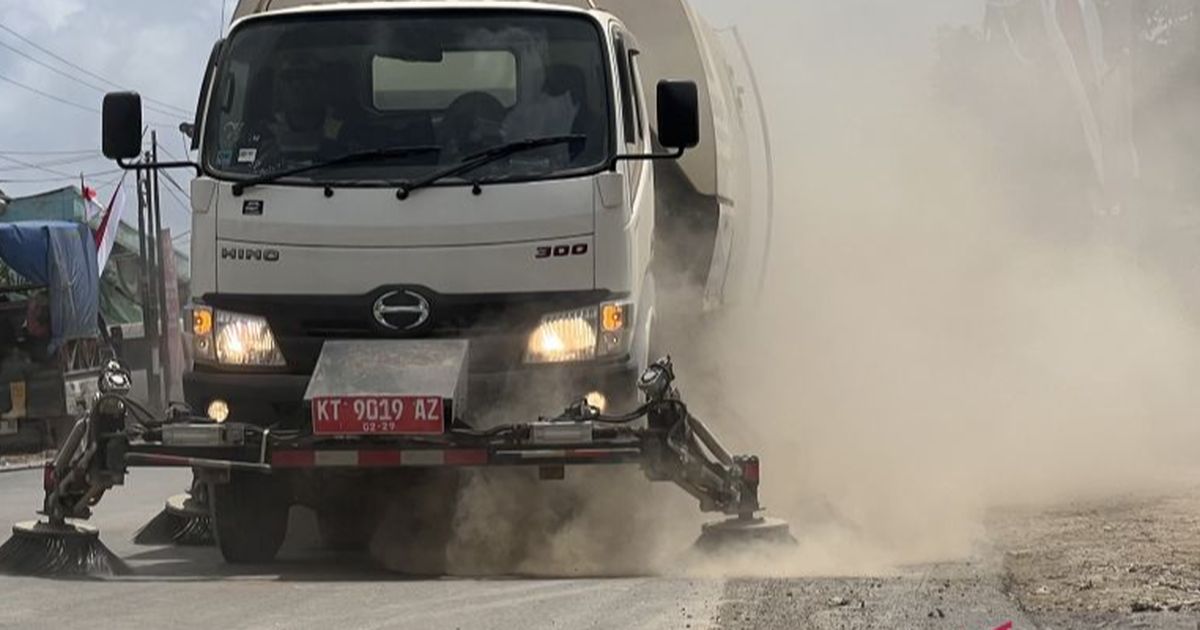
(416, 223)
(409, 169)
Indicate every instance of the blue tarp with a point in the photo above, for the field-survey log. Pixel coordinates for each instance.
(62, 256)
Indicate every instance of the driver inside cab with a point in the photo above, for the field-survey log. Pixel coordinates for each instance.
(304, 120)
(302, 124)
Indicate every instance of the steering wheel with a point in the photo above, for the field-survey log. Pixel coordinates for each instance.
(472, 123)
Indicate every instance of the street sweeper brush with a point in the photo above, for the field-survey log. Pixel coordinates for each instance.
(42, 548)
(742, 532)
(91, 460)
(184, 520)
(700, 465)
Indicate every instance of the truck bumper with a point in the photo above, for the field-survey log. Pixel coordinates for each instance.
(519, 394)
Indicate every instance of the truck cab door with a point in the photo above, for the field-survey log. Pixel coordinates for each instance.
(633, 138)
(632, 126)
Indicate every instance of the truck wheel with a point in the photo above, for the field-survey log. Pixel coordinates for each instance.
(250, 515)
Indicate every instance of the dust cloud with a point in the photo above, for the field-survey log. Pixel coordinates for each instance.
(959, 315)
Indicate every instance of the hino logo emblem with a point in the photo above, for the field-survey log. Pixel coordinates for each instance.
(401, 310)
(249, 253)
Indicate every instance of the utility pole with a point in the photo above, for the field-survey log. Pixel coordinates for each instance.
(148, 345)
(159, 279)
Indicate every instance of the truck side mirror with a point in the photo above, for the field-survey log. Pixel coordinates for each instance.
(122, 125)
(678, 115)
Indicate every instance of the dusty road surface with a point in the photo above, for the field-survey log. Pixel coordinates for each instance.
(1039, 563)
(1126, 562)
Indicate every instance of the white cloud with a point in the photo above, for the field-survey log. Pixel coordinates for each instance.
(56, 12)
(51, 14)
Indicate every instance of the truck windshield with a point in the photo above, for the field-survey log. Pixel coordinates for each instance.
(297, 90)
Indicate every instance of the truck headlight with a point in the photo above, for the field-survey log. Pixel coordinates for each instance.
(581, 334)
(233, 339)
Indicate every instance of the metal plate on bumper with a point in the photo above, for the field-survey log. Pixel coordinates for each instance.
(388, 386)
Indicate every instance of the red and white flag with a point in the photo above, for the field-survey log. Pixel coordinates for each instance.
(89, 194)
(110, 221)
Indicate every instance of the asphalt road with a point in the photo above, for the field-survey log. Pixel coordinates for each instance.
(309, 588)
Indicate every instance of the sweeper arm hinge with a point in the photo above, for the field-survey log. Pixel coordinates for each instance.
(92, 458)
(678, 447)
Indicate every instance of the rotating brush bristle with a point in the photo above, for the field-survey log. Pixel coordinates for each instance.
(183, 521)
(744, 532)
(40, 548)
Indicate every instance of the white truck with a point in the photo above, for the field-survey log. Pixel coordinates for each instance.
(434, 172)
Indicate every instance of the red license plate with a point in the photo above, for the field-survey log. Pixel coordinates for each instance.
(378, 415)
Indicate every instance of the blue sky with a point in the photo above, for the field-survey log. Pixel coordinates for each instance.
(158, 47)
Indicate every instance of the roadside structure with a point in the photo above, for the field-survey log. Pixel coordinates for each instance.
(24, 380)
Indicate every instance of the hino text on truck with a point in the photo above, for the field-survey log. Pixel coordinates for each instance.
(415, 222)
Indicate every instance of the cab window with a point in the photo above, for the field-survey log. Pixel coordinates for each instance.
(628, 115)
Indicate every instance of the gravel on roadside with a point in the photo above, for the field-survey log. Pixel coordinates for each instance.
(1126, 562)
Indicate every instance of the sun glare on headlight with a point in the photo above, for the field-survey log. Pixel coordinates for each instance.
(582, 334)
(568, 337)
(245, 340)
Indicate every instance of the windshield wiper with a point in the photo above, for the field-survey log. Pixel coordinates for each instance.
(483, 158)
(360, 156)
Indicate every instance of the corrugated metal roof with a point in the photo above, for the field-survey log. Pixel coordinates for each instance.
(60, 204)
